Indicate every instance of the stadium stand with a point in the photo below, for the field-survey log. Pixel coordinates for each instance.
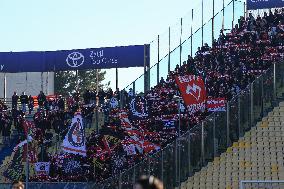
(256, 156)
(235, 60)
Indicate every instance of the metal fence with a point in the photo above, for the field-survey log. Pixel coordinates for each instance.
(201, 25)
(46, 185)
(195, 148)
(265, 184)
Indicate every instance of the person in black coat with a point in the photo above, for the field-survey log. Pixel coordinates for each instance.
(31, 104)
(15, 99)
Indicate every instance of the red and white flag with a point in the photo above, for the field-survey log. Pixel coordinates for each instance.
(193, 92)
(216, 105)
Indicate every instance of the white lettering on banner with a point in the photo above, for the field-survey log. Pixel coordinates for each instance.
(2, 67)
(186, 79)
(196, 107)
(257, 1)
(98, 58)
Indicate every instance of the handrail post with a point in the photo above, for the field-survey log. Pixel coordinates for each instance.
(274, 81)
(228, 123)
(251, 105)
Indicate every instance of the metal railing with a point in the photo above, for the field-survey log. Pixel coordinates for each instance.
(256, 184)
(172, 47)
(208, 139)
(46, 185)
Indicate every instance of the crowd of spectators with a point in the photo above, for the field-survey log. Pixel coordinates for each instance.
(234, 60)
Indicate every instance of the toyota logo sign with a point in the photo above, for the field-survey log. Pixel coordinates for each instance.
(75, 59)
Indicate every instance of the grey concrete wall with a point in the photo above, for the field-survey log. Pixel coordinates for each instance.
(30, 82)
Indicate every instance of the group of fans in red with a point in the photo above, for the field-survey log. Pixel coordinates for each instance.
(151, 119)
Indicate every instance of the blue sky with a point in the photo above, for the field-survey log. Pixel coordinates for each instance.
(39, 25)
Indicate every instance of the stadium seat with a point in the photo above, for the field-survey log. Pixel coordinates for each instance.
(256, 156)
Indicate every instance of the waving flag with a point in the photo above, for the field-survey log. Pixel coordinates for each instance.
(74, 141)
(136, 137)
(15, 170)
(193, 92)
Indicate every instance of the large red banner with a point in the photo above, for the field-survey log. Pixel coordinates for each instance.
(193, 92)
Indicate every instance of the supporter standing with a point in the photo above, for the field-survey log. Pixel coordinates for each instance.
(15, 99)
(41, 99)
(24, 101)
(31, 104)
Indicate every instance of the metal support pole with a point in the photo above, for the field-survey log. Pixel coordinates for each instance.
(27, 81)
(97, 80)
(149, 170)
(97, 120)
(134, 91)
(27, 161)
(223, 18)
(233, 14)
(5, 87)
(274, 82)
(214, 135)
(169, 56)
(202, 21)
(116, 78)
(262, 96)
(41, 78)
(120, 181)
(162, 166)
(251, 105)
(77, 80)
(134, 173)
(179, 166)
(179, 124)
(213, 16)
(176, 161)
(189, 154)
(180, 47)
(146, 68)
(158, 63)
(179, 115)
(245, 10)
(46, 82)
(202, 143)
(239, 117)
(191, 32)
(228, 124)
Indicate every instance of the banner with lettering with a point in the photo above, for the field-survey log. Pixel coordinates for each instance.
(42, 168)
(74, 141)
(77, 59)
(264, 4)
(193, 92)
(72, 166)
(216, 105)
